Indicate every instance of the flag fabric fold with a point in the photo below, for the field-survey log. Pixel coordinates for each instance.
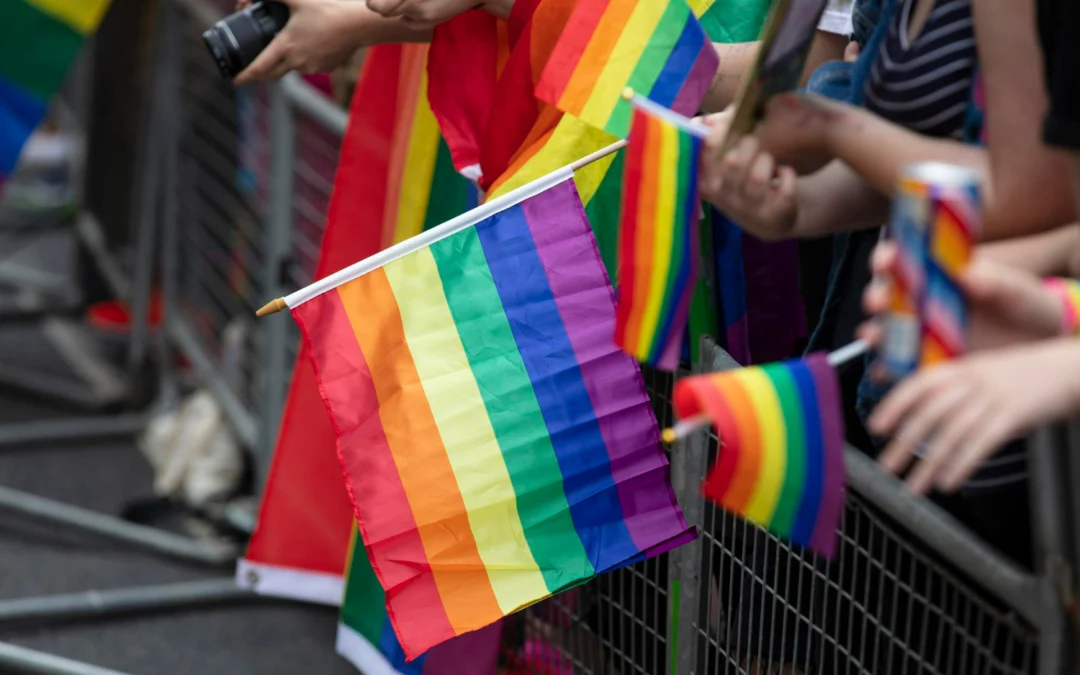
(781, 461)
(658, 240)
(498, 447)
(39, 39)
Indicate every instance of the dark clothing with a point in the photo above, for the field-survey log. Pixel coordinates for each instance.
(1058, 21)
(925, 85)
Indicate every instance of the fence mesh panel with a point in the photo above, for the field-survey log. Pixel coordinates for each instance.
(223, 154)
(313, 179)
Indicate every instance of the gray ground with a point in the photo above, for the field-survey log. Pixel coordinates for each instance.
(256, 638)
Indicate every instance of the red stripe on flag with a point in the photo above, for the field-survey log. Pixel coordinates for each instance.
(398, 557)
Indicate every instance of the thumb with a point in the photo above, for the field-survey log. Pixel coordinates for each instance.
(852, 51)
(263, 63)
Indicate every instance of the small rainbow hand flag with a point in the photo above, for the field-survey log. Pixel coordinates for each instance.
(781, 462)
(38, 41)
(497, 446)
(658, 235)
(655, 47)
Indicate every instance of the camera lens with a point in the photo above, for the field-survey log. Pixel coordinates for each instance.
(235, 41)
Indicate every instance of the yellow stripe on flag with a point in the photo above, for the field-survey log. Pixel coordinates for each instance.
(624, 59)
(770, 480)
(462, 419)
(82, 15)
(667, 176)
(419, 168)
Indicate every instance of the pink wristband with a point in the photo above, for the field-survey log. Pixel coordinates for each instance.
(1069, 292)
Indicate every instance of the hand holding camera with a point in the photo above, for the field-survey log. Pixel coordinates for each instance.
(266, 40)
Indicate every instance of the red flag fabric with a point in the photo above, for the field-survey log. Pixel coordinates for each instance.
(301, 542)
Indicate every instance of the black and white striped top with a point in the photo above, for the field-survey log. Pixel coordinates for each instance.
(925, 85)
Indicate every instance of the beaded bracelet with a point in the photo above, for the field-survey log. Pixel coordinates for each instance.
(1069, 292)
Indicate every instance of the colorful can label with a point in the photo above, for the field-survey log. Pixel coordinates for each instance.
(935, 222)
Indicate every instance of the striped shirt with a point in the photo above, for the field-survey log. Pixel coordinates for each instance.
(925, 84)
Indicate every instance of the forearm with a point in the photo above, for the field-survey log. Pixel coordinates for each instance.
(736, 59)
(1049, 254)
(1029, 182)
(836, 199)
(878, 150)
(367, 28)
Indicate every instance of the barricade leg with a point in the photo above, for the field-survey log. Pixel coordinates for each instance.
(163, 543)
(15, 659)
(87, 604)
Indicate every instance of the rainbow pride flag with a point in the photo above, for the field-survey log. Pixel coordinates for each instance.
(781, 461)
(658, 240)
(366, 638)
(657, 48)
(497, 446)
(38, 41)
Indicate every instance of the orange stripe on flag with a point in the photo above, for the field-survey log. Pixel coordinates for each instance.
(423, 466)
(749, 445)
(595, 58)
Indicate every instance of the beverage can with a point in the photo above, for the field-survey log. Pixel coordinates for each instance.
(935, 221)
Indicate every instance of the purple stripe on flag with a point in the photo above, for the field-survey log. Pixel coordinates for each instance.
(586, 304)
(479, 649)
(826, 532)
(693, 90)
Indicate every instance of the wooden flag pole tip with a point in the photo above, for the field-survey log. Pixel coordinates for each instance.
(273, 307)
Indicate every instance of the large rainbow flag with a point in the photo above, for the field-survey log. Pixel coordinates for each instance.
(781, 460)
(498, 447)
(38, 41)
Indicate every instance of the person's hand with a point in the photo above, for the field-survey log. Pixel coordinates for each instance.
(242, 4)
(963, 411)
(1006, 306)
(318, 38)
(429, 13)
(796, 130)
(747, 185)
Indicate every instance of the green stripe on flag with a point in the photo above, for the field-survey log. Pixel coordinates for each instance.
(449, 197)
(795, 475)
(36, 49)
(652, 62)
(363, 608)
(603, 214)
(513, 409)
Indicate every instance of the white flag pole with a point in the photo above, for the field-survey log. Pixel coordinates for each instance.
(429, 237)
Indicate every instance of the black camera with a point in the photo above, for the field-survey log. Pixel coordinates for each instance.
(236, 40)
